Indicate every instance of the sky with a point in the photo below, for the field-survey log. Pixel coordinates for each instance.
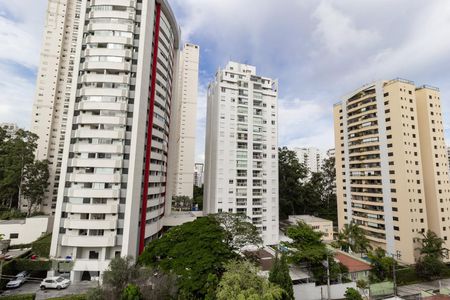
(319, 50)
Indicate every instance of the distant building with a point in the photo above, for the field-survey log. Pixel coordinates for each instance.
(10, 128)
(199, 170)
(318, 224)
(331, 153)
(311, 157)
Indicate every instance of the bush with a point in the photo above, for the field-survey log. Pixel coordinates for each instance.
(11, 214)
(41, 247)
(407, 276)
(430, 267)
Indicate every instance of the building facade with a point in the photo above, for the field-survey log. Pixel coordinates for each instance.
(310, 157)
(391, 164)
(10, 128)
(241, 155)
(112, 193)
(199, 171)
(53, 89)
(182, 142)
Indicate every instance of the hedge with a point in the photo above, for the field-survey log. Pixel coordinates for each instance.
(19, 297)
(41, 247)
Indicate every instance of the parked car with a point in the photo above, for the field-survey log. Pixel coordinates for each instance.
(56, 282)
(18, 280)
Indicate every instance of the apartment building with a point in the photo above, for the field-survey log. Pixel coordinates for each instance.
(113, 188)
(53, 88)
(10, 128)
(391, 164)
(310, 157)
(182, 142)
(199, 174)
(241, 155)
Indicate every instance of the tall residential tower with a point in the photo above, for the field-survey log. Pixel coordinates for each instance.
(391, 165)
(241, 157)
(112, 193)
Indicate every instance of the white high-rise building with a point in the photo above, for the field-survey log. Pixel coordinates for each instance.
(113, 190)
(182, 143)
(55, 78)
(241, 157)
(199, 171)
(310, 157)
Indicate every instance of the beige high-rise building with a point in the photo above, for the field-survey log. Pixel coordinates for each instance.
(182, 143)
(391, 164)
(53, 85)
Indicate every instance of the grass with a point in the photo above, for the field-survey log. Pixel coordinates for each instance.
(70, 297)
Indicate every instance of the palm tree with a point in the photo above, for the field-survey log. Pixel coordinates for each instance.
(353, 238)
(432, 245)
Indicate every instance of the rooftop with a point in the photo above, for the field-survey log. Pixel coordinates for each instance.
(353, 264)
(307, 219)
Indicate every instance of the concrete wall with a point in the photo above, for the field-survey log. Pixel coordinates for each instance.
(28, 230)
(309, 291)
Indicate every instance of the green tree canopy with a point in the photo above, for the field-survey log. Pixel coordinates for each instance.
(241, 282)
(382, 265)
(192, 251)
(16, 152)
(352, 294)
(239, 231)
(352, 237)
(279, 274)
(306, 246)
(35, 182)
(430, 265)
(290, 174)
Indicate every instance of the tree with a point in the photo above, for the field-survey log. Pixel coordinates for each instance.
(241, 281)
(329, 200)
(121, 272)
(239, 231)
(16, 152)
(182, 203)
(290, 174)
(131, 292)
(192, 252)
(306, 246)
(382, 265)
(362, 285)
(432, 245)
(352, 294)
(279, 274)
(198, 197)
(430, 265)
(352, 237)
(35, 182)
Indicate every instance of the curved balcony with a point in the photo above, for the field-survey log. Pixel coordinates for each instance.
(106, 65)
(110, 178)
(112, 14)
(129, 3)
(95, 163)
(94, 105)
(91, 133)
(110, 26)
(118, 149)
(91, 119)
(105, 78)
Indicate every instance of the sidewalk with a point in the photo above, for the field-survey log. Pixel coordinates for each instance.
(417, 288)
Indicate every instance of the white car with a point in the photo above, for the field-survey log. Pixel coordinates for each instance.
(18, 281)
(57, 282)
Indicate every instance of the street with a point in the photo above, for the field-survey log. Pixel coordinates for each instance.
(33, 287)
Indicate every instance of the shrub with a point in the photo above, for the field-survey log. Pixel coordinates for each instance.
(20, 297)
(41, 247)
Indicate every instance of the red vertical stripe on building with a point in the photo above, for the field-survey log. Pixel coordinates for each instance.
(149, 130)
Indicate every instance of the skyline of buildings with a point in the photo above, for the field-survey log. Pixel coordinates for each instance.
(115, 92)
(391, 165)
(241, 154)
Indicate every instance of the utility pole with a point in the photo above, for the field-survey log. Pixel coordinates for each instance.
(396, 257)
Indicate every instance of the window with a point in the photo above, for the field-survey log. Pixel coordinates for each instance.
(13, 235)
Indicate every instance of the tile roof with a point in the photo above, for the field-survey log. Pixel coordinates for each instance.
(353, 264)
